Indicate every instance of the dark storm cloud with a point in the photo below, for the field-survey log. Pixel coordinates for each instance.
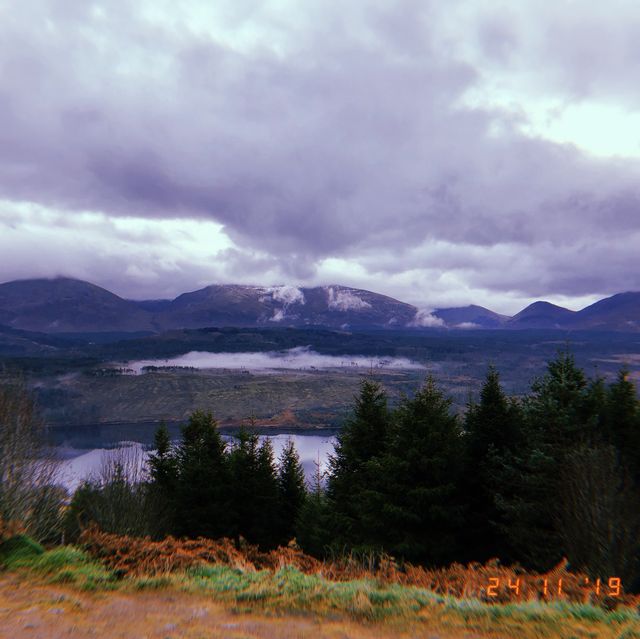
(342, 133)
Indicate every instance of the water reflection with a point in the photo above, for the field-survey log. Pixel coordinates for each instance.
(82, 462)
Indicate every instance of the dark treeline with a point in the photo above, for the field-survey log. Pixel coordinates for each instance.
(529, 480)
(554, 474)
(199, 487)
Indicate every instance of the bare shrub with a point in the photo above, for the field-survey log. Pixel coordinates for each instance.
(30, 501)
(116, 498)
(599, 513)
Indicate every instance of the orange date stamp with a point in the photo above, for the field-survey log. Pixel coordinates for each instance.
(611, 587)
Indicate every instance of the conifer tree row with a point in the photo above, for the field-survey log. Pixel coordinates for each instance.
(203, 487)
(530, 480)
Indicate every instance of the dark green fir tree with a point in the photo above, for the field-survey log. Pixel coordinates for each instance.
(292, 491)
(353, 481)
(202, 494)
(423, 509)
(492, 433)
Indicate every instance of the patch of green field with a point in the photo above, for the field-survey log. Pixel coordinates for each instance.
(313, 399)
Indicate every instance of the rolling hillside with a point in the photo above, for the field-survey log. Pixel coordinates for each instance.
(542, 315)
(66, 305)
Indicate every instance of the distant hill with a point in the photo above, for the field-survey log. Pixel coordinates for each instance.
(20, 343)
(620, 312)
(541, 315)
(471, 316)
(64, 305)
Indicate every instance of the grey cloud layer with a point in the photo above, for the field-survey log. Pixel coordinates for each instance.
(574, 48)
(337, 133)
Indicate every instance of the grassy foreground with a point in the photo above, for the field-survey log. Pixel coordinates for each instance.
(362, 608)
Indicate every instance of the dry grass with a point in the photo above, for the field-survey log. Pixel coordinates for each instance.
(245, 593)
(141, 556)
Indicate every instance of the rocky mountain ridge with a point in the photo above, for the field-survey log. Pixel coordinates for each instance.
(64, 305)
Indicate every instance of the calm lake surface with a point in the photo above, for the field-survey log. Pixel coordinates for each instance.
(83, 450)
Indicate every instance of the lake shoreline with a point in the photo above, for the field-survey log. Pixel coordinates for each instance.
(101, 435)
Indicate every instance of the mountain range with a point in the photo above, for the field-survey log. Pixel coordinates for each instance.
(64, 305)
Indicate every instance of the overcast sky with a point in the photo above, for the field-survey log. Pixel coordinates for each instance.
(442, 152)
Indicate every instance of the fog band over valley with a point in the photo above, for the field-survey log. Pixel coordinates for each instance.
(301, 357)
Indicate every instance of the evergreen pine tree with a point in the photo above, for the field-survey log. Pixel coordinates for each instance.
(163, 484)
(292, 491)
(422, 512)
(352, 481)
(595, 410)
(266, 517)
(622, 418)
(162, 462)
(313, 524)
(254, 487)
(492, 430)
(243, 461)
(202, 494)
(559, 415)
(560, 407)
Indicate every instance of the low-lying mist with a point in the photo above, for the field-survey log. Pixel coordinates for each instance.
(299, 358)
